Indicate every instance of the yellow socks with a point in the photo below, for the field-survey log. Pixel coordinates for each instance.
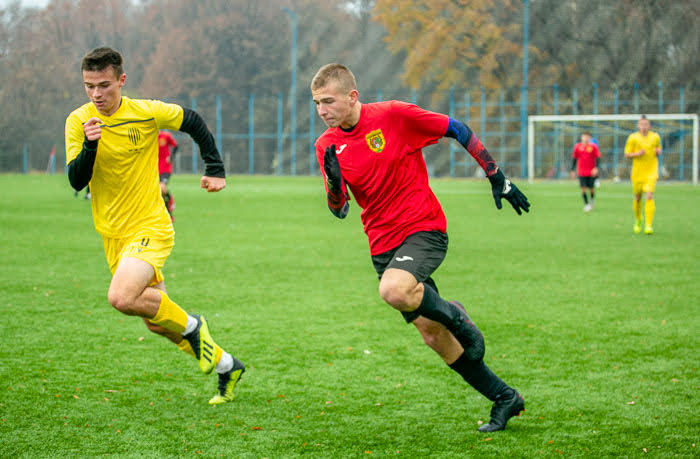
(649, 209)
(637, 206)
(185, 347)
(170, 315)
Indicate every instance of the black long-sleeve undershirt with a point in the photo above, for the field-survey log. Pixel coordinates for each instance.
(194, 125)
(80, 169)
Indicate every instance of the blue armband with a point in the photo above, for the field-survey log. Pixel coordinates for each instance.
(459, 131)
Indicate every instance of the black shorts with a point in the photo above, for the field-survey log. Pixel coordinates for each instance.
(420, 254)
(587, 182)
(164, 177)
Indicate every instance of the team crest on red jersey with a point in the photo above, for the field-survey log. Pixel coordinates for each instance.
(375, 141)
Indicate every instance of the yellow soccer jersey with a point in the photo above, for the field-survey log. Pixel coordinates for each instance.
(125, 193)
(645, 167)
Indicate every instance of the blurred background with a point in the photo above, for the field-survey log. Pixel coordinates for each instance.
(246, 65)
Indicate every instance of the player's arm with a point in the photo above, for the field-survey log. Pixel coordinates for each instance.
(214, 172)
(336, 197)
(657, 150)
(501, 187)
(596, 154)
(80, 168)
(630, 151)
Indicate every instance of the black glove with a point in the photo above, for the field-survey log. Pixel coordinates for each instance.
(332, 169)
(501, 187)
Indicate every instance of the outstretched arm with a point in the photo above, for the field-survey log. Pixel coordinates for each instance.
(214, 173)
(500, 186)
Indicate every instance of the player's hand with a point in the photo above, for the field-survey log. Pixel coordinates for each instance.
(92, 129)
(332, 169)
(213, 184)
(594, 172)
(501, 187)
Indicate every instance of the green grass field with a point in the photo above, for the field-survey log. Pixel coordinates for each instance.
(597, 327)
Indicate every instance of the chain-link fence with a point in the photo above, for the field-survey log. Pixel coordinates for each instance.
(255, 135)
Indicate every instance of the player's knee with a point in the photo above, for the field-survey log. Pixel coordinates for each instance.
(120, 301)
(394, 293)
(163, 188)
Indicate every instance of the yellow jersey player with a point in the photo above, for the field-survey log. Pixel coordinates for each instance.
(112, 145)
(644, 147)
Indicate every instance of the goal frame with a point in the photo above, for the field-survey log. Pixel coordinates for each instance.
(532, 119)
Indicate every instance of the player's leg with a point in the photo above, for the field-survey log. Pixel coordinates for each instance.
(591, 190)
(165, 193)
(649, 211)
(417, 258)
(637, 207)
(173, 336)
(507, 402)
(583, 183)
(130, 293)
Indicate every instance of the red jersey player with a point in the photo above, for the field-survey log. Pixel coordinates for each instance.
(586, 158)
(375, 150)
(165, 167)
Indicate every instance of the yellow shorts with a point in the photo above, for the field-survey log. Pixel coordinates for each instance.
(152, 251)
(644, 186)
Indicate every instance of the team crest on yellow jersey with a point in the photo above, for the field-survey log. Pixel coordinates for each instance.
(375, 141)
(134, 135)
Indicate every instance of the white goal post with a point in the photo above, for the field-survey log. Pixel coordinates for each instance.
(532, 120)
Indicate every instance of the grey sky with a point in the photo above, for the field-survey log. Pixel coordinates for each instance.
(39, 3)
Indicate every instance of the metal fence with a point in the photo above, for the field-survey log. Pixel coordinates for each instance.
(255, 135)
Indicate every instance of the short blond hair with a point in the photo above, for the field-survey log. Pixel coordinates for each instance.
(334, 73)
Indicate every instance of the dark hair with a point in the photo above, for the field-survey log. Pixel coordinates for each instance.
(644, 117)
(587, 133)
(100, 58)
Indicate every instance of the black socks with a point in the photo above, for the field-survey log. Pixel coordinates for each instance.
(480, 377)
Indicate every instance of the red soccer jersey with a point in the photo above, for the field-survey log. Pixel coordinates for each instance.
(165, 141)
(382, 163)
(585, 156)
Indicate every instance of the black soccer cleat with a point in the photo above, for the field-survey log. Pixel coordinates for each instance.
(468, 334)
(510, 404)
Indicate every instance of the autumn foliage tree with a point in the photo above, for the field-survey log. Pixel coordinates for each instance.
(455, 42)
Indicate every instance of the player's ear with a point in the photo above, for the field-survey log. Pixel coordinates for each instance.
(354, 95)
(122, 79)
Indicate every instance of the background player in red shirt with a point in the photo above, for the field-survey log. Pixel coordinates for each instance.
(165, 167)
(375, 150)
(587, 157)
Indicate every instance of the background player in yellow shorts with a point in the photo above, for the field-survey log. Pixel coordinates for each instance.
(644, 147)
(112, 145)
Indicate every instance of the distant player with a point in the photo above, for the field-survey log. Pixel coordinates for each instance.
(586, 159)
(165, 167)
(375, 150)
(112, 144)
(644, 147)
